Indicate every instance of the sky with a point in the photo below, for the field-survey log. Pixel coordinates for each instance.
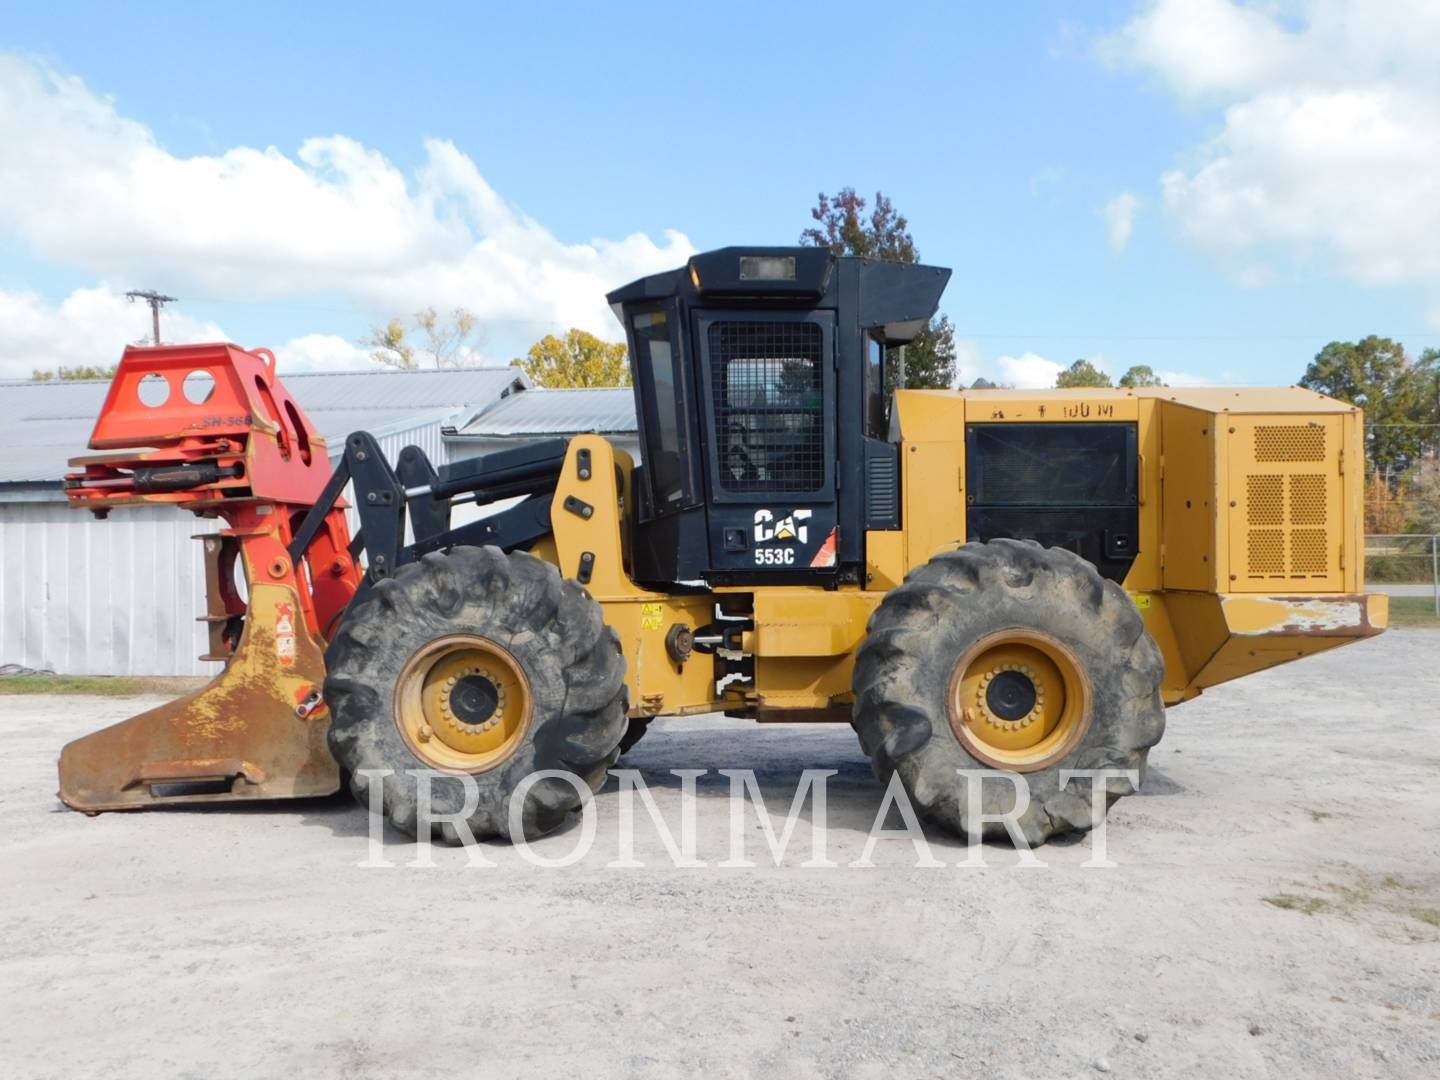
(1213, 188)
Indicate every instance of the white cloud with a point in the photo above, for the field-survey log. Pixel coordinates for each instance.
(1048, 179)
(1330, 140)
(89, 328)
(322, 352)
(1119, 214)
(1029, 371)
(969, 362)
(1204, 47)
(1185, 378)
(83, 186)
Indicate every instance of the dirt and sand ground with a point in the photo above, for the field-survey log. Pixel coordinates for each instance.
(1275, 912)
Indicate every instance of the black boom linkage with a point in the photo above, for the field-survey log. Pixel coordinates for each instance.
(382, 496)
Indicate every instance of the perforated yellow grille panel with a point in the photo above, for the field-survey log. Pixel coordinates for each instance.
(1267, 551)
(1289, 442)
(1307, 500)
(1307, 552)
(1287, 536)
(1265, 497)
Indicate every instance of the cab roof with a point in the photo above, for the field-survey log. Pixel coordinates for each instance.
(897, 298)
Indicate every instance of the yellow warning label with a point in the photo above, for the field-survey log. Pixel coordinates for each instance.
(1142, 600)
(652, 616)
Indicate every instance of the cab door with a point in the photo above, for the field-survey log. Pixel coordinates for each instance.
(768, 384)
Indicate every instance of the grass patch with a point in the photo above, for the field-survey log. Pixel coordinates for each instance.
(1307, 905)
(1377, 902)
(1318, 816)
(1410, 612)
(97, 685)
(1427, 915)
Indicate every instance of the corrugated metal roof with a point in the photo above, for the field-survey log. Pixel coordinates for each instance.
(556, 412)
(44, 424)
(316, 391)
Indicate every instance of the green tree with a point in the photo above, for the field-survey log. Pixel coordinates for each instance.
(1141, 375)
(1399, 396)
(75, 374)
(577, 359)
(444, 340)
(1081, 373)
(843, 226)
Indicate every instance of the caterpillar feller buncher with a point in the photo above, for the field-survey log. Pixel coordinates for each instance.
(1010, 580)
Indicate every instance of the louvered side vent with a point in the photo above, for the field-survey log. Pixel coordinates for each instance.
(882, 491)
(1285, 504)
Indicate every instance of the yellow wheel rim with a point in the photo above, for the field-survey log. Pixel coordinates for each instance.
(463, 704)
(1019, 700)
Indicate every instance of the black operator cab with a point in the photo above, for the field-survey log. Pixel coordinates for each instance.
(760, 389)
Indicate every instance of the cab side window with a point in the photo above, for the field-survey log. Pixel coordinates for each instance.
(877, 394)
(657, 363)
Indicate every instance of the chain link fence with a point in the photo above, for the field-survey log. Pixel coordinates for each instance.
(1405, 564)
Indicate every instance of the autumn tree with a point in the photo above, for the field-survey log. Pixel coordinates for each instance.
(1081, 373)
(1400, 396)
(1423, 497)
(843, 226)
(1386, 508)
(577, 359)
(439, 340)
(1140, 375)
(75, 374)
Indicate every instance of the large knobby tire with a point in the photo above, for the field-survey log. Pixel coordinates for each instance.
(542, 637)
(910, 685)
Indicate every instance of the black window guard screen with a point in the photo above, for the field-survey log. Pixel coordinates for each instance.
(769, 405)
(1055, 464)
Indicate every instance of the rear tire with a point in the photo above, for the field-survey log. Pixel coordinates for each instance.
(1027, 619)
(481, 663)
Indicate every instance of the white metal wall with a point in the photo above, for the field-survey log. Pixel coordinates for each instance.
(122, 596)
(114, 597)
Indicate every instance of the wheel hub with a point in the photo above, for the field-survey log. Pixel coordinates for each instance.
(1010, 695)
(1019, 700)
(472, 702)
(463, 704)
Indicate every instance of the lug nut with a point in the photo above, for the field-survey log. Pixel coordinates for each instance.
(425, 732)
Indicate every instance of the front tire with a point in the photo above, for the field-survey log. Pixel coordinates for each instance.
(1006, 655)
(478, 664)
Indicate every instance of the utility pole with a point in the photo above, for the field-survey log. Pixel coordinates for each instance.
(156, 301)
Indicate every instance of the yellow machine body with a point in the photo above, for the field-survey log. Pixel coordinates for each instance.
(763, 401)
(1250, 546)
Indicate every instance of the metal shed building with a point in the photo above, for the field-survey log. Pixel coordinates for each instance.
(120, 597)
(545, 414)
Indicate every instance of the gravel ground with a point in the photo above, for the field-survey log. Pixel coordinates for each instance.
(1275, 912)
